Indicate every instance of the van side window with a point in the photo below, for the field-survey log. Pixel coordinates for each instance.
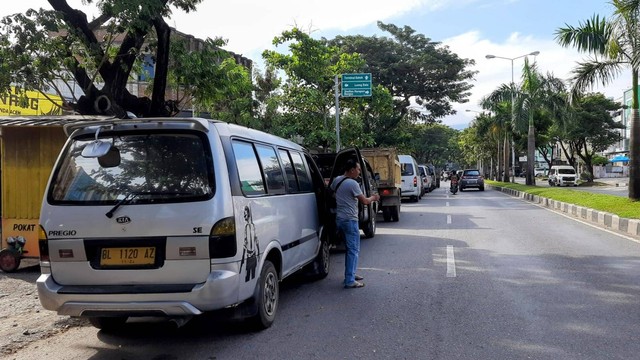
(288, 170)
(248, 169)
(301, 171)
(272, 169)
(406, 169)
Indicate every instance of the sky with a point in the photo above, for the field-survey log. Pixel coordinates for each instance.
(470, 28)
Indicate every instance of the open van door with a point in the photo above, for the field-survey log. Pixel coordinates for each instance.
(368, 184)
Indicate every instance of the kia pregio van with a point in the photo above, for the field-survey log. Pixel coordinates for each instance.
(176, 217)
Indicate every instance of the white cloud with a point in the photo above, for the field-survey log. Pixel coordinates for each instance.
(493, 72)
(254, 24)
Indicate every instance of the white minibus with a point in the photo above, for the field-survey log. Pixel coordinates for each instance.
(174, 217)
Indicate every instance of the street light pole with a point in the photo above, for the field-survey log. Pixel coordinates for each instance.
(513, 110)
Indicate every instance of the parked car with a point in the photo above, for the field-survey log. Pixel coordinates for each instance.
(427, 180)
(471, 178)
(540, 172)
(411, 182)
(563, 175)
(435, 179)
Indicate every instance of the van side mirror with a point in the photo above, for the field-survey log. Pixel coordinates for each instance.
(376, 176)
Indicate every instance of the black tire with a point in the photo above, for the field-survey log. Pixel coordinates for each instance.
(370, 228)
(482, 188)
(395, 213)
(9, 260)
(108, 324)
(461, 189)
(267, 297)
(321, 264)
(386, 213)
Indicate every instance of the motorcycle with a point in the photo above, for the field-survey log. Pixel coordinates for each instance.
(454, 186)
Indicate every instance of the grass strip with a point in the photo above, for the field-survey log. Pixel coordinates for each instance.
(618, 205)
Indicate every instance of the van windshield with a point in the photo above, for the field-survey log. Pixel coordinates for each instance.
(566, 171)
(157, 167)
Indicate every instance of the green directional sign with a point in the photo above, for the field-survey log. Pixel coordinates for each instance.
(356, 85)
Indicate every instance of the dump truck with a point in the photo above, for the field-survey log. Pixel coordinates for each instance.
(386, 168)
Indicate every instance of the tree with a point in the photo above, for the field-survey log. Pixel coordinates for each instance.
(308, 93)
(43, 47)
(414, 69)
(592, 129)
(538, 94)
(432, 143)
(613, 45)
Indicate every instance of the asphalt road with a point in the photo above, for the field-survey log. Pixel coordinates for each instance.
(477, 275)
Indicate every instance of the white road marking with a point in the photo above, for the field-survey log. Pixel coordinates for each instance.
(447, 203)
(451, 262)
(448, 219)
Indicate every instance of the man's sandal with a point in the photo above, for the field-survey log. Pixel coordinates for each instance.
(355, 284)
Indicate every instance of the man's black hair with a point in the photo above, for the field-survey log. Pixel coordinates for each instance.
(350, 164)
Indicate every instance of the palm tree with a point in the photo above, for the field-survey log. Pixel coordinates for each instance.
(538, 93)
(613, 44)
(499, 103)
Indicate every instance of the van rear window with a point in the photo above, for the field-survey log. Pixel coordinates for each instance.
(407, 169)
(147, 168)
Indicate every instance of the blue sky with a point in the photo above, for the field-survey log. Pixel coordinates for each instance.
(471, 28)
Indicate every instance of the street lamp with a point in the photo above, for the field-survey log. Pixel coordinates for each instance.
(513, 113)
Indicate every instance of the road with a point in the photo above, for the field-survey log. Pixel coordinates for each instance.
(477, 275)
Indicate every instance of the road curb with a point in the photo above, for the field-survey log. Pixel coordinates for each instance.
(605, 220)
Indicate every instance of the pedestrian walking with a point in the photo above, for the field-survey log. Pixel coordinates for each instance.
(348, 194)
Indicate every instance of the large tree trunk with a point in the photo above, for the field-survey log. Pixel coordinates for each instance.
(634, 143)
(505, 156)
(531, 160)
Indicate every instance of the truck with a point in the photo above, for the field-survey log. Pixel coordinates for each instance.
(386, 168)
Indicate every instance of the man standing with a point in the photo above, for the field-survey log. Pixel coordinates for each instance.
(348, 193)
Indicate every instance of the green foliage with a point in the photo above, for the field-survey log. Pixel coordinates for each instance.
(413, 67)
(599, 160)
(434, 144)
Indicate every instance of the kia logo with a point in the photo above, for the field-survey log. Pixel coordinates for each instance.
(123, 220)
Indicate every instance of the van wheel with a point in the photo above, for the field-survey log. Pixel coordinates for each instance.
(108, 324)
(370, 228)
(395, 213)
(386, 213)
(321, 264)
(267, 297)
(9, 260)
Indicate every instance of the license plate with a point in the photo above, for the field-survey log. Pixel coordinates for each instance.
(129, 256)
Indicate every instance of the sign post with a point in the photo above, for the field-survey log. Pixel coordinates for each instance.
(356, 85)
(353, 85)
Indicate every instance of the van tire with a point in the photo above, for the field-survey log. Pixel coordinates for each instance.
(322, 263)
(370, 226)
(267, 297)
(108, 324)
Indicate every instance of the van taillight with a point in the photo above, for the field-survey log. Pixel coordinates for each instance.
(415, 181)
(43, 244)
(222, 239)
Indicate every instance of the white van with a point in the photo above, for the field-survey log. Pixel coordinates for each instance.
(411, 181)
(563, 175)
(174, 217)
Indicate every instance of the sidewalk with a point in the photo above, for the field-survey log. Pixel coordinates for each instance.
(617, 182)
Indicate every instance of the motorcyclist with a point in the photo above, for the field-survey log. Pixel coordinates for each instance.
(453, 177)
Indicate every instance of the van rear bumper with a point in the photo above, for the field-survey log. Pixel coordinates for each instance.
(220, 290)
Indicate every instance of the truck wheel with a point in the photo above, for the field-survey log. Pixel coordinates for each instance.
(9, 260)
(370, 228)
(395, 213)
(386, 213)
